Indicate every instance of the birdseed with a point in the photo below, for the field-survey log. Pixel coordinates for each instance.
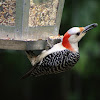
(7, 12)
(43, 14)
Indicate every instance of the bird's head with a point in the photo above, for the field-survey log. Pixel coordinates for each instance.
(74, 35)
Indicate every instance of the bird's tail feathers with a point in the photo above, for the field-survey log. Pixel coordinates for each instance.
(27, 74)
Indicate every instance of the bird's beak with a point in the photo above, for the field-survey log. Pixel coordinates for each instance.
(89, 27)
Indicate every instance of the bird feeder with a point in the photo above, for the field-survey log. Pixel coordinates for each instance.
(26, 24)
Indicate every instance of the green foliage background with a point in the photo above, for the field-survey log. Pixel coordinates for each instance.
(80, 83)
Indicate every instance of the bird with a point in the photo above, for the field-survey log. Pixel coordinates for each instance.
(61, 56)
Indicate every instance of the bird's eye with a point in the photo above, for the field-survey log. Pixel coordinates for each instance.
(78, 33)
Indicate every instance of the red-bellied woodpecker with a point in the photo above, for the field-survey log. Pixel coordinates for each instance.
(61, 57)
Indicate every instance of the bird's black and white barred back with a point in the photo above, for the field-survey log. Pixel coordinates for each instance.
(55, 62)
